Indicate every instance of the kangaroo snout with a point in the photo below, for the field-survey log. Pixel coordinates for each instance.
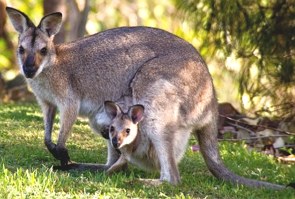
(29, 67)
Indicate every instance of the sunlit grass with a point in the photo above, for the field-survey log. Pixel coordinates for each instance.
(26, 166)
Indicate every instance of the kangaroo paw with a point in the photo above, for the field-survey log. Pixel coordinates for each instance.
(59, 153)
(63, 156)
(52, 149)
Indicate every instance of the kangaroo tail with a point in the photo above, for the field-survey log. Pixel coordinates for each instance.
(209, 149)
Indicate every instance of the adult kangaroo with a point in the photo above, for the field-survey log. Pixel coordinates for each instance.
(159, 70)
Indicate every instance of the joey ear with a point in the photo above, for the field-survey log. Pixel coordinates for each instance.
(136, 113)
(51, 23)
(111, 109)
(19, 20)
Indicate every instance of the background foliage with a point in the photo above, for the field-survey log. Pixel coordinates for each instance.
(259, 35)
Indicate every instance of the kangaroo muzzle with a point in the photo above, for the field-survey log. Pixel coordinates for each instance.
(29, 67)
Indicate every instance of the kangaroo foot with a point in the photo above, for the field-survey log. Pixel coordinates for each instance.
(69, 166)
(82, 167)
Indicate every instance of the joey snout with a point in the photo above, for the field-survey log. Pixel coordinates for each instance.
(115, 142)
(118, 140)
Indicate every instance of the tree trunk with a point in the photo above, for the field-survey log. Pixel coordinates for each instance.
(50, 6)
(4, 33)
(75, 16)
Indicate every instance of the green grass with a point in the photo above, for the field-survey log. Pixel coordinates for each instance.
(25, 166)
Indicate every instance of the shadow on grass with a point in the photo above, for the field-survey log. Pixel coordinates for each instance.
(35, 154)
(24, 113)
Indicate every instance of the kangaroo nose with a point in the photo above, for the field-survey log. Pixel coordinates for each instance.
(30, 61)
(29, 66)
(115, 142)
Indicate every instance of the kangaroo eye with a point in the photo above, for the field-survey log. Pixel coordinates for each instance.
(21, 50)
(127, 131)
(112, 128)
(43, 51)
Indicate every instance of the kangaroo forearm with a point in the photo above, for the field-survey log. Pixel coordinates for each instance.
(49, 112)
(68, 116)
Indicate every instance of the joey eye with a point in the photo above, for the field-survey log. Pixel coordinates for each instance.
(43, 51)
(112, 128)
(127, 131)
(21, 50)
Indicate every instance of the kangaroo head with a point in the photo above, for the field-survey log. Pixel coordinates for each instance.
(124, 126)
(36, 50)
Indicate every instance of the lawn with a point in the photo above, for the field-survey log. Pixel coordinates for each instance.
(25, 166)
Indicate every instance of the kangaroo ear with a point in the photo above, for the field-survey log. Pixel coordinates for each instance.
(19, 20)
(136, 113)
(51, 23)
(111, 109)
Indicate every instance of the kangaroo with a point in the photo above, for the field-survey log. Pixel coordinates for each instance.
(124, 135)
(159, 70)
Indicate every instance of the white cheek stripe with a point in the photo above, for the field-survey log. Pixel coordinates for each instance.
(20, 64)
(40, 69)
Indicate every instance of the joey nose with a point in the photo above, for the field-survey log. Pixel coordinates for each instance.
(115, 142)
